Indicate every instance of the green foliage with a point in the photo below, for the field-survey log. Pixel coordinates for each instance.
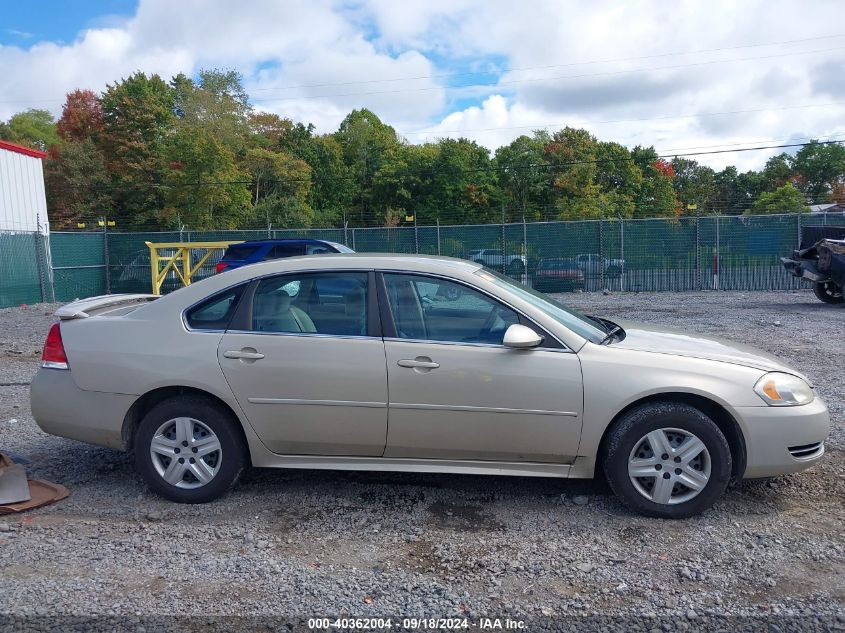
(77, 183)
(147, 152)
(216, 103)
(33, 128)
(820, 168)
(206, 188)
(522, 176)
(138, 119)
(785, 199)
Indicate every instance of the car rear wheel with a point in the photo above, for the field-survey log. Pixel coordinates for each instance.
(828, 292)
(667, 460)
(189, 450)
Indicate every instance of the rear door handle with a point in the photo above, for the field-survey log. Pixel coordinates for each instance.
(243, 354)
(420, 362)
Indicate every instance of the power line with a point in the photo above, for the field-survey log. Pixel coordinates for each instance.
(548, 79)
(637, 120)
(549, 67)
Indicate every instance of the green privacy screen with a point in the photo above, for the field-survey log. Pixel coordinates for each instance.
(707, 253)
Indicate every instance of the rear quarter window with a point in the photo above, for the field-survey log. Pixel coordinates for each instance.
(216, 312)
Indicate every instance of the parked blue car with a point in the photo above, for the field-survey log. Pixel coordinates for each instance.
(255, 251)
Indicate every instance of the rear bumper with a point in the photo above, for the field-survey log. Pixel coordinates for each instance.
(61, 408)
(770, 432)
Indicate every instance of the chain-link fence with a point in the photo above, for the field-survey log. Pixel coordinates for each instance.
(689, 253)
(25, 272)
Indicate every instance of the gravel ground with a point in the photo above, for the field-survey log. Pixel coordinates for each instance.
(554, 554)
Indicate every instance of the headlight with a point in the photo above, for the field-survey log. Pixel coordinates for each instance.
(783, 390)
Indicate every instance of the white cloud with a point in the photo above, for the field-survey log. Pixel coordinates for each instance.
(571, 63)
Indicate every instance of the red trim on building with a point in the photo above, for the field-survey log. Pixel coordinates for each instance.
(20, 149)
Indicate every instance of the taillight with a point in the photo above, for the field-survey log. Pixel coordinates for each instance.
(53, 356)
(221, 266)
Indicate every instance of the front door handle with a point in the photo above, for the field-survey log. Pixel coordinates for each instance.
(420, 362)
(243, 354)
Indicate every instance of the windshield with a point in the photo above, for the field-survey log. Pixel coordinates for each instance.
(582, 325)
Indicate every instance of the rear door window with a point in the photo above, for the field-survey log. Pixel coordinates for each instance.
(280, 251)
(239, 252)
(312, 303)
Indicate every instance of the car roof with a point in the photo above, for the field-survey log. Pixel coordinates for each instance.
(285, 240)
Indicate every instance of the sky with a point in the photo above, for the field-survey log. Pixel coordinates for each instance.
(683, 77)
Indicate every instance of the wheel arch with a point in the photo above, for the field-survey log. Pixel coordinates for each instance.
(147, 401)
(719, 414)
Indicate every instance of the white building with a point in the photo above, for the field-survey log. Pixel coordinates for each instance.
(23, 203)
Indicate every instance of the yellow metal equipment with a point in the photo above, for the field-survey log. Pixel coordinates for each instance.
(179, 261)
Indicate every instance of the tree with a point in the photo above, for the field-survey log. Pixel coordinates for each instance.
(620, 179)
(523, 177)
(819, 168)
(785, 199)
(77, 183)
(82, 116)
(267, 129)
(217, 103)
(656, 197)
(281, 186)
(365, 140)
(206, 188)
(571, 154)
(138, 120)
(32, 128)
(694, 184)
(777, 172)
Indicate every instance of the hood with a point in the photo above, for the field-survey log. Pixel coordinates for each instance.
(650, 338)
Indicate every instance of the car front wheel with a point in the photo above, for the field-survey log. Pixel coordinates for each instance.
(667, 460)
(189, 450)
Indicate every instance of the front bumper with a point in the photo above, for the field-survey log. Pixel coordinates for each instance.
(61, 408)
(771, 431)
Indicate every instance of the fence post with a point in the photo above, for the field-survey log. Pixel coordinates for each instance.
(717, 262)
(106, 254)
(798, 223)
(346, 232)
(416, 236)
(622, 254)
(504, 244)
(438, 236)
(525, 247)
(353, 240)
(697, 253)
(39, 245)
(601, 252)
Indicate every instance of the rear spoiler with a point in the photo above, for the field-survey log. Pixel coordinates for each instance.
(81, 309)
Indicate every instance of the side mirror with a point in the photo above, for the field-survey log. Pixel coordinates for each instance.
(521, 337)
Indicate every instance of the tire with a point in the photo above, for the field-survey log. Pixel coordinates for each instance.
(679, 423)
(202, 422)
(828, 292)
